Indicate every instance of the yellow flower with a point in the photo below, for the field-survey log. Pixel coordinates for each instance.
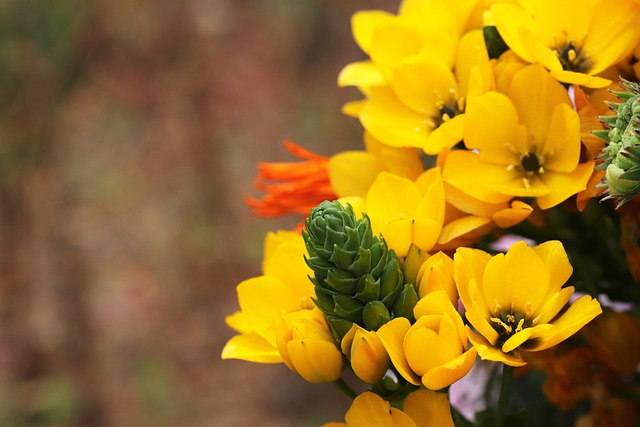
(352, 172)
(575, 40)
(525, 145)
(368, 357)
(308, 347)
(428, 112)
(405, 212)
(283, 288)
(421, 408)
(516, 302)
(434, 350)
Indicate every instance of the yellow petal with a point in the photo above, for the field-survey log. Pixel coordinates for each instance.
(263, 300)
(352, 172)
(519, 338)
(363, 24)
(498, 183)
(479, 319)
(286, 263)
(370, 410)
(238, 322)
(564, 185)
(316, 361)
(490, 125)
(417, 92)
(461, 227)
(489, 352)
(362, 73)
(472, 54)
(369, 359)
(536, 48)
(353, 108)
(518, 212)
(553, 304)
(392, 198)
(562, 144)
(581, 312)
(393, 123)
(468, 266)
(444, 375)
(535, 94)
(251, 347)
(435, 276)
(586, 80)
(428, 408)
(392, 336)
(425, 349)
(446, 135)
(394, 41)
(509, 19)
(555, 258)
(517, 280)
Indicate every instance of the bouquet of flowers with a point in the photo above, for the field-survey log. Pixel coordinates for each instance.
(478, 261)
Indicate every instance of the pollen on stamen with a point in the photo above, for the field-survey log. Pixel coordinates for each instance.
(520, 324)
(498, 308)
(526, 182)
(506, 327)
(528, 309)
(536, 319)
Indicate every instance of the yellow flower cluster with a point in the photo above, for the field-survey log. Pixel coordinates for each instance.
(497, 99)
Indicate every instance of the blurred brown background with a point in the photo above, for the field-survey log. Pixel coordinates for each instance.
(129, 134)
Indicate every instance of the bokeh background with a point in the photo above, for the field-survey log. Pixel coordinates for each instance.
(129, 134)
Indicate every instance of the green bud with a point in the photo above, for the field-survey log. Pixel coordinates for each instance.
(356, 278)
(408, 298)
(621, 156)
(374, 315)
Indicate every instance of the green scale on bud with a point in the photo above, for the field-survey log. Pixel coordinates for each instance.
(356, 278)
(621, 155)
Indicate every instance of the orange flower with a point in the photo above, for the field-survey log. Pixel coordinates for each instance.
(292, 187)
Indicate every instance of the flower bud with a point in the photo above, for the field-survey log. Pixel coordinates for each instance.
(308, 347)
(621, 156)
(357, 280)
(368, 357)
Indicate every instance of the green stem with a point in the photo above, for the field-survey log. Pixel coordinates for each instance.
(505, 392)
(345, 389)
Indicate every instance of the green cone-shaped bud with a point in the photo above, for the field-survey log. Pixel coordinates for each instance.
(356, 278)
(621, 155)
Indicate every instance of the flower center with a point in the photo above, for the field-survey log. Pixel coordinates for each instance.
(448, 110)
(530, 163)
(507, 325)
(572, 58)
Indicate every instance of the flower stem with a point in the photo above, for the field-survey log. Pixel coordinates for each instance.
(505, 392)
(345, 389)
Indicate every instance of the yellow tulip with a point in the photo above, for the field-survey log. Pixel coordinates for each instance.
(308, 347)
